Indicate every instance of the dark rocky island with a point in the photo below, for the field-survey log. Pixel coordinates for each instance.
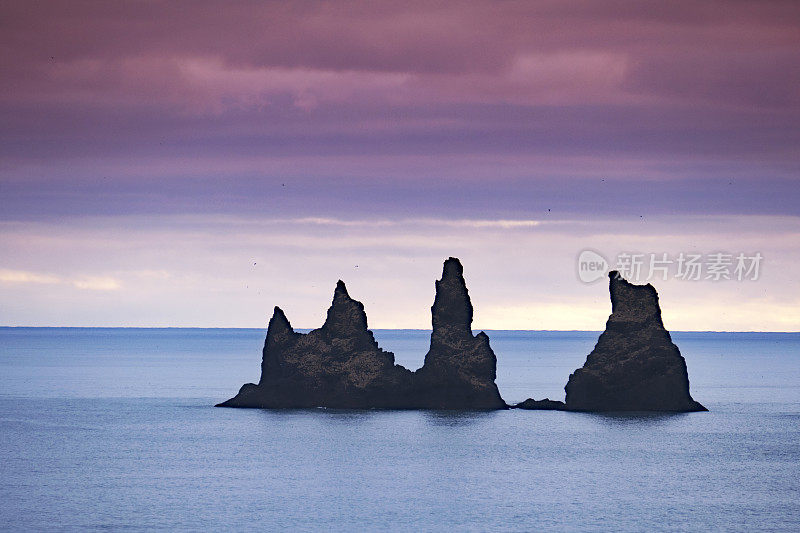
(337, 365)
(340, 365)
(635, 366)
(541, 405)
(460, 368)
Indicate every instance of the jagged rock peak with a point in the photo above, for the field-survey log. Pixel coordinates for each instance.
(341, 289)
(279, 322)
(460, 368)
(453, 268)
(632, 303)
(279, 333)
(452, 305)
(341, 365)
(346, 317)
(635, 366)
(338, 365)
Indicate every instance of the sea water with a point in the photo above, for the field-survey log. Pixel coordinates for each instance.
(115, 429)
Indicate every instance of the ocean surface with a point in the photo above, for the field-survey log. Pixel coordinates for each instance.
(114, 429)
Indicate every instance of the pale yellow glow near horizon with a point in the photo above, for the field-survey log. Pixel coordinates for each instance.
(231, 271)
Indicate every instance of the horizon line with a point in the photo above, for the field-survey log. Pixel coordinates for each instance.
(299, 329)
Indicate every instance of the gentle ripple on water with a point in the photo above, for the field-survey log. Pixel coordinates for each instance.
(114, 429)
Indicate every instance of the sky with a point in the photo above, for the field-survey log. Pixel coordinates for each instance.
(196, 164)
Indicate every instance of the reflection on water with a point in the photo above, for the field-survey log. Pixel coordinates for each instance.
(325, 415)
(454, 418)
(322, 415)
(635, 418)
(459, 418)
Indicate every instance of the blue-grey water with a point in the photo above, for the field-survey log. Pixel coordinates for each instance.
(115, 429)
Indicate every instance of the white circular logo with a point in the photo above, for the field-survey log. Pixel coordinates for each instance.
(591, 266)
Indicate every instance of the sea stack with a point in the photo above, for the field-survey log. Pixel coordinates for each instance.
(460, 368)
(339, 365)
(635, 366)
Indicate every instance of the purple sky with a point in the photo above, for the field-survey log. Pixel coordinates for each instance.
(636, 116)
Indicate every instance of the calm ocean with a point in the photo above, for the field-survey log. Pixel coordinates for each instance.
(115, 429)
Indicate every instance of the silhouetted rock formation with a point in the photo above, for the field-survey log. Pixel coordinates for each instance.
(340, 364)
(337, 365)
(541, 405)
(634, 366)
(460, 368)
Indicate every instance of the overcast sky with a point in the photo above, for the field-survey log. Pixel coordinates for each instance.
(195, 164)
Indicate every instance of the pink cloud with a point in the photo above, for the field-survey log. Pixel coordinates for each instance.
(110, 95)
(522, 52)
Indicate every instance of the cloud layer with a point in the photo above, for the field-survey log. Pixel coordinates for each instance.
(154, 98)
(154, 149)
